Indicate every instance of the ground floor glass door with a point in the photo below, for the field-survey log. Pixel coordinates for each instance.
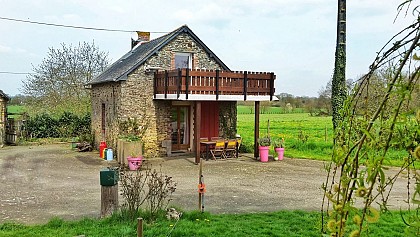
(180, 128)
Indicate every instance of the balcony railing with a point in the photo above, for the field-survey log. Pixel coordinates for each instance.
(213, 82)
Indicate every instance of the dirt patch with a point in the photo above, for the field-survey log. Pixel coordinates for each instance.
(40, 182)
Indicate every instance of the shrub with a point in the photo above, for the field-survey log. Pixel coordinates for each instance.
(149, 186)
(65, 126)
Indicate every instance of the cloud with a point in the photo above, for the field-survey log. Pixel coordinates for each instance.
(5, 49)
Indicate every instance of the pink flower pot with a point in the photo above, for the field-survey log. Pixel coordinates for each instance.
(264, 153)
(134, 163)
(280, 152)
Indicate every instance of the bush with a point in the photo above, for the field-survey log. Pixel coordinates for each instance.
(150, 186)
(65, 126)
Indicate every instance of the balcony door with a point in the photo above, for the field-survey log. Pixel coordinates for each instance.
(180, 128)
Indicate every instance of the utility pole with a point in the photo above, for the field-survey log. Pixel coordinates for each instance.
(339, 90)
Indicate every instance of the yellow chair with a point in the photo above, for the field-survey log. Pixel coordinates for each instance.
(219, 150)
(230, 151)
(239, 142)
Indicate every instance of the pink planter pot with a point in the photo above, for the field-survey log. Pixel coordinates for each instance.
(280, 152)
(264, 153)
(134, 163)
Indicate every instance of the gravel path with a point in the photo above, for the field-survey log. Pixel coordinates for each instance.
(40, 182)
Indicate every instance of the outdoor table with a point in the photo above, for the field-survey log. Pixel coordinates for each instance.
(208, 144)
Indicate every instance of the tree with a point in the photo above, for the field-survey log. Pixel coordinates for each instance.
(58, 83)
(358, 185)
(325, 94)
(339, 93)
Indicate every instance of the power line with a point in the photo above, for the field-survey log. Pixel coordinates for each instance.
(15, 73)
(72, 26)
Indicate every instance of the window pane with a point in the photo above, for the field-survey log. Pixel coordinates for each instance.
(181, 61)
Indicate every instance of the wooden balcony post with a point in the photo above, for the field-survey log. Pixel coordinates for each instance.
(197, 131)
(245, 84)
(217, 84)
(178, 82)
(271, 86)
(166, 83)
(187, 79)
(154, 85)
(256, 129)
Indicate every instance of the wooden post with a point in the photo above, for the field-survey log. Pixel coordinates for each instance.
(200, 180)
(217, 84)
(139, 227)
(166, 84)
(256, 129)
(187, 72)
(197, 130)
(271, 86)
(154, 85)
(109, 200)
(178, 81)
(326, 132)
(245, 84)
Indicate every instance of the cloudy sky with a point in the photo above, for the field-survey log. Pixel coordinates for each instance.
(295, 39)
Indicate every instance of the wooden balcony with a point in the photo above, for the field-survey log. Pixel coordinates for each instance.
(187, 84)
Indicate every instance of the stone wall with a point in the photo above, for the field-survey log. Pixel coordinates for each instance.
(108, 94)
(227, 119)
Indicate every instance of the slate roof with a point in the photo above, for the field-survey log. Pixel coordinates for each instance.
(2, 94)
(120, 69)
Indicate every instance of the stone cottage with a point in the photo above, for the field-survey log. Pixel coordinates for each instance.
(179, 87)
(3, 116)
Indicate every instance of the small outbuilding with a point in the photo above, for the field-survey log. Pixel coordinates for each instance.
(3, 116)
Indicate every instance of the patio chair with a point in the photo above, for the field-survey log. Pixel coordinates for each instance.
(219, 150)
(215, 138)
(230, 151)
(203, 147)
(238, 145)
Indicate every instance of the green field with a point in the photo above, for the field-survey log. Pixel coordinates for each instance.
(305, 136)
(15, 110)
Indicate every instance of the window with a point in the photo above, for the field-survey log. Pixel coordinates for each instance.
(103, 118)
(183, 60)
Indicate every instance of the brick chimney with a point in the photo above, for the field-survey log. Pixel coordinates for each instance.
(142, 36)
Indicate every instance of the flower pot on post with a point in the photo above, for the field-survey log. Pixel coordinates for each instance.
(264, 146)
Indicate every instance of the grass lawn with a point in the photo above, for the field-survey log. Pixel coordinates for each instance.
(282, 223)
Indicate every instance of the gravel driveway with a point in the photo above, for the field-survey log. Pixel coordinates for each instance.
(40, 182)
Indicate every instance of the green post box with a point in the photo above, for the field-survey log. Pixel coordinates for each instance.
(109, 177)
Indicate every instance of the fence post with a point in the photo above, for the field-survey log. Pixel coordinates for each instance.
(109, 191)
(139, 227)
(326, 132)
